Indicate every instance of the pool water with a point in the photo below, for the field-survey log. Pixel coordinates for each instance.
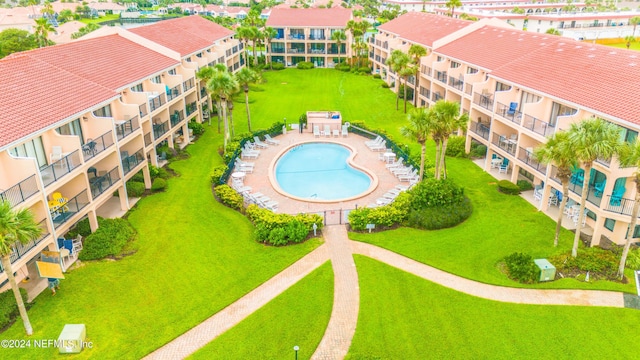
(319, 171)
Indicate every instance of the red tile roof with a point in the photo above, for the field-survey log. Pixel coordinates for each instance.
(491, 47)
(186, 35)
(594, 76)
(36, 95)
(333, 17)
(423, 28)
(111, 61)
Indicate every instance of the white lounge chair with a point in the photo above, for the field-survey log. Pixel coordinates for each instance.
(259, 143)
(380, 147)
(376, 141)
(345, 132)
(316, 131)
(395, 164)
(250, 154)
(383, 201)
(269, 140)
(409, 177)
(336, 133)
(327, 131)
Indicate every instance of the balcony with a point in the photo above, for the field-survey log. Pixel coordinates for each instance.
(19, 249)
(441, 76)
(295, 51)
(619, 205)
(62, 213)
(60, 168)
(203, 93)
(173, 93)
(456, 83)
(480, 129)
(160, 129)
(526, 156)
(483, 100)
(100, 184)
(20, 192)
(604, 162)
(313, 36)
(188, 84)
(468, 89)
(147, 139)
(426, 71)
(94, 147)
(295, 36)
(156, 102)
(316, 50)
(537, 126)
(277, 50)
(508, 145)
(425, 92)
(576, 188)
(436, 96)
(385, 45)
(176, 117)
(129, 162)
(191, 108)
(143, 110)
(506, 111)
(125, 127)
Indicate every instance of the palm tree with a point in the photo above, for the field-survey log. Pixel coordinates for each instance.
(396, 62)
(269, 33)
(224, 85)
(245, 33)
(416, 52)
(628, 40)
(204, 74)
(553, 32)
(452, 4)
(244, 77)
(16, 227)
(634, 21)
(404, 73)
(629, 155)
(256, 34)
(558, 151)
(591, 139)
(43, 28)
(446, 119)
(420, 123)
(338, 36)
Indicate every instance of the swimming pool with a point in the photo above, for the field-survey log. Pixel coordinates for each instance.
(320, 172)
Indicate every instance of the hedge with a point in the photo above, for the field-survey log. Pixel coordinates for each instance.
(507, 187)
(521, 268)
(135, 188)
(9, 308)
(277, 66)
(281, 229)
(109, 240)
(436, 193)
(383, 216)
(159, 184)
(440, 217)
(217, 174)
(229, 197)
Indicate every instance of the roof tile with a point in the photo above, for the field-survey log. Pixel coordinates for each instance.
(333, 17)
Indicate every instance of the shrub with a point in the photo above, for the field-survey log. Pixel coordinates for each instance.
(166, 150)
(109, 240)
(507, 187)
(633, 259)
(364, 69)
(383, 216)
(409, 92)
(524, 185)
(281, 229)
(163, 173)
(455, 147)
(218, 171)
(377, 76)
(521, 268)
(139, 177)
(82, 228)
(440, 217)
(436, 193)
(277, 66)
(197, 128)
(599, 262)
(229, 197)
(477, 150)
(154, 171)
(135, 188)
(304, 65)
(9, 308)
(159, 184)
(385, 85)
(343, 66)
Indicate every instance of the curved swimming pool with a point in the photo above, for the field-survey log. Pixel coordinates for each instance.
(320, 172)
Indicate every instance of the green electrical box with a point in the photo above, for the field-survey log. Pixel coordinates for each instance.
(547, 270)
(72, 338)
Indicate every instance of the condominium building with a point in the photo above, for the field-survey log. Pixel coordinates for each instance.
(80, 119)
(306, 35)
(519, 88)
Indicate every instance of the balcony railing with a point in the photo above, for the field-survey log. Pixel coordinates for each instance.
(131, 161)
(295, 36)
(20, 192)
(156, 102)
(95, 146)
(456, 83)
(604, 162)
(316, 51)
(191, 108)
(441, 76)
(143, 110)
(203, 93)
(591, 194)
(173, 93)
(537, 126)
(436, 96)
(503, 110)
(176, 117)
(480, 129)
(619, 206)
(425, 92)
(485, 101)
(505, 144)
(331, 50)
(426, 71)
(147, 139)
(526, 157)
(69, 209)
(468, 89)
(60, 168)
(18, 250)
(277, 50)
(317, 37)
(160, 129)
(100, 184)
(186, 85)
(126, 127)
(295, 51)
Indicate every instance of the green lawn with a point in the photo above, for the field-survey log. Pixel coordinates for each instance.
(634, 45)
(298, 316)
(101, 19)
(195, 257)
(405, 317)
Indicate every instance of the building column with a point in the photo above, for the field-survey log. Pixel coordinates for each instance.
(124, 198)
(544, 202)
(153, 156)
(515, 171)
(93, 220)
(597, 230)
(185, 133)
(147, 177)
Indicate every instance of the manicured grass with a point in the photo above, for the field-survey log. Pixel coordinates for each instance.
(101, 19)
(195, 257)
(298, 316)
(405, 317)
(634, 45)
(500, 225)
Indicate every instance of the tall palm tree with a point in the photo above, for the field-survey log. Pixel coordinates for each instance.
(629, 155)
(245, 77)
(256, 35)
(404, 73)
(628, 40)
(16, 227)
(245, 33)
(396, 62)
(420, 123)
(204, 74)
(269, 33)
(634, 21)
(591, 139)
(339, 37)
(224, 85)
(43, 28)
(558, 151)
(452, 5)
(446, 119)
(416, 52)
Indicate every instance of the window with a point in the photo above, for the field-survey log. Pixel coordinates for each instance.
(440, 58)
(471, 70)
(172, 72)
(527, 98)
(560, 110)
(137, 88)
(502, 87)
(628, 135)
(72, 128)
(609, 224)
(455, 65)
(103, 112)
(636, 231)
(33, 149)
(156, 79)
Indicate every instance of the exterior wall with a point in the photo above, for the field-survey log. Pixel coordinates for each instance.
(296, 44)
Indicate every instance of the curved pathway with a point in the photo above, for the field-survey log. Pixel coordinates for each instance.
(344, 316)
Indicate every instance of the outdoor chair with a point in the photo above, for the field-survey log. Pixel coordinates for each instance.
(327, 131)
(599, 189)
(316, 131)
(259, 143)
(345, 132)
(512, 108)
(269, 140)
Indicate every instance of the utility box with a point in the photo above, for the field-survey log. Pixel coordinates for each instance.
(547, 270)
(72, 338)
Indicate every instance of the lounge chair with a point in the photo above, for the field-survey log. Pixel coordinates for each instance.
(383, 201)
(409, 177)
(396, 164)
(269, 140)
(401, 170)
(376, 141)
(249, 154)
(381, 147)
(345, 132)
(327, 131)
(259, 143)
(336, 133)
(316, 131)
